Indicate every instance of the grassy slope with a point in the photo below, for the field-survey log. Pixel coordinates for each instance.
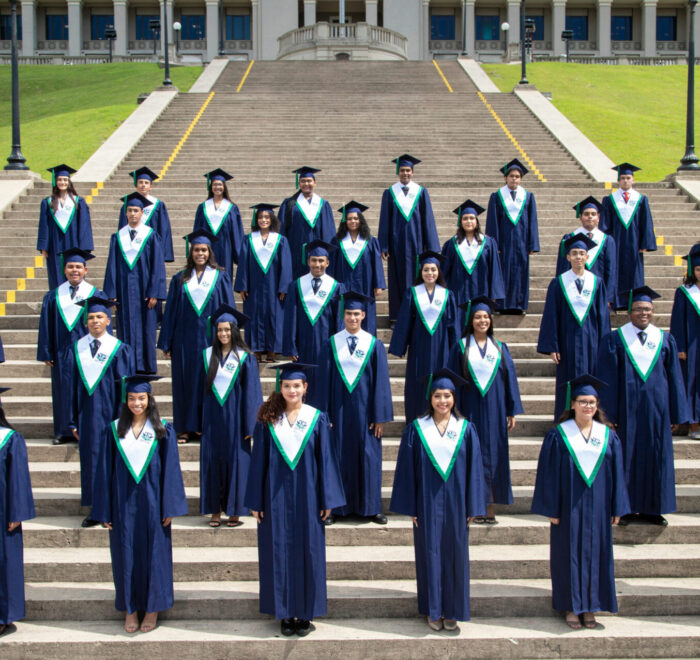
(68, 111)
(633, 113)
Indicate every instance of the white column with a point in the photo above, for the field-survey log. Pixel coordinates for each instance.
(309, 12)
(514, 22)
(28, 28)
(212, 23)
(471, 28)
(649, 28)
(603, 20)
(425, 30)
(121, 25)
(558, 24)
(75, 28)
(371, 11)
(255, 28)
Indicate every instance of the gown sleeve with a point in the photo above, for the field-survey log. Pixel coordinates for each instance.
(237, 232)
(610, 268)
(45, 346)
(548, 341)
(102, 484)
(257, 472)
(381, 405)
(647, 238)
(546, 500)
(477, 490)
(252, 393)
(620, 503)
(607, 370)
(384, 231)
(42, 239)
(321, 397)
(430, 237)
(84, 226)
(677, 393)
(514, 405)
(679, 321)
(497, 287)
(156, 280)
(454, 332)
(492, 218)
(20, 503)
(285, 270)
(165, 233)
(404, 493)
(169, 321)
(401, 337)
(289, 346)
(244, 264)
(378, 279)
(172, 488)
(331, 493)
(533, 239)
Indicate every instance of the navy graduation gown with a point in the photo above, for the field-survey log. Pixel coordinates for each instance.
(643, 412)
(488, 413)
(54, 240)
(639, 235)
(16, 505)
(230, 236)
(183, 334)
(577, 344)
(136, 324)
(441, 539)
(298, 231)
(141, 548)
(515, 242)
(581, 545)
(685, 328)
(227, 428)
(404, 240)
(2, 352)
(160, 221)
(291, 536)
(426, 352)
(485, 278)
(263, 331)
(351, 412)
(365, 277)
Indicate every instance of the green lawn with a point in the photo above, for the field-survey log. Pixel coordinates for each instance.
(69, 111)
(633, 113)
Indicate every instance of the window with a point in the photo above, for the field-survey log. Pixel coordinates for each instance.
(621, 28)
(98, 24)
(56, 27)
(442, 27)
(6, 27)
(143, 28)
(488, 28)
(666, 28)
(539, 27)
(579, 26)
(237, 27)
(193, 27)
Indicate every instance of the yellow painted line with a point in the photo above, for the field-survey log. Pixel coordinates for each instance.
(442, 75)
(668, 250)
(100, 185)
(30, 273)
(21, 284)
(39, 261)
(2, 309)
(245, 75)
(511, 137)
(659, 240)
(88, 199)
(10, 297)
(678, 260)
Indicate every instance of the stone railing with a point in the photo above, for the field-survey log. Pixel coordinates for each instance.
(330, 41)
(60, 58)
(666, 60)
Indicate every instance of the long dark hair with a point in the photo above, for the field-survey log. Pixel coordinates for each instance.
(216, 352)
(461, 234)
(430, 411)
(126, 417)
(3, 419)
(189, 266)
(599, 415)
(690, 278)
(440, 278)
(211, 194)
(274, 221)
(364, 229)
(272, 409)
(56, 193)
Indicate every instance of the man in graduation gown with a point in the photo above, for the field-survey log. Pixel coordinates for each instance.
(135, 277)
(646, 400)
(305, 217)
(96, 361)
(575, 318)
(406, 230)
(60, 325)
(627, 218)
(354, 389)
(511, 220)
(155, 213)
(602, 258)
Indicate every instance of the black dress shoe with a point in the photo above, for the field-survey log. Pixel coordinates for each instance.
(627, 519)
(287, 627)
(303, 627)
(89, 522)
(380, 519)
(329, 521)
(62, 439)
(654, 519)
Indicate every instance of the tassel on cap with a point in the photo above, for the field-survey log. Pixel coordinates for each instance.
(277, 380)
(629, 303)
(430, 383)
(123, 389)
(568, 394)
(255, 217)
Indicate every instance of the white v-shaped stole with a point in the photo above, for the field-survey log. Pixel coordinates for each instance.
(643, 356)
(406, 203)
(588, 456)
(352, 251)
(148, 210)
(264, 253)
(310, 210)
(199, 291)
(315, 303)
(5, 434)
(68, 309)
(513, 207)
(483, 370)
(441, 449)
(626, 210)
(226, 375)
(579, 303)
(430, 311)
(136, 452)
(291, 440)
(693, 294)
(469, 254)
(599, 239)
(216, 216)
(352, 366)
(131, 250)
(65, 212)
(92, 369)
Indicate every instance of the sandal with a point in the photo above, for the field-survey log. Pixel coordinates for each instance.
(133, 626)
(589, 620)
(572, 621)
(435, 625)
(147, 627)
(491, 520)
(233, 523)
(270, 357)
(215, 523)
(183, 438)
(479, 520)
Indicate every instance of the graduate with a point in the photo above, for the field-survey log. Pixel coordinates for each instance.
(220, 216)
(575, 318)
(141, 492)
(357, 264)
(685, 328)
(263, 276)
(439, 482)
(355, 390)
(293, 484)
(155, 213)
(312, 309)
(646, 401)
(95, 362)
(472, 264)
(16, 505)
(426, 327)
(491, 398)
(64, 223)
(511, 220)
(602, 258)
(406, 229)
(580, 487)
(305, 217)
(60, 326)
(627, 218)
(135, 277)
(194, 294)
(229, 411)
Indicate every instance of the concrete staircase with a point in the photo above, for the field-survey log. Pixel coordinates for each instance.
(349, 119)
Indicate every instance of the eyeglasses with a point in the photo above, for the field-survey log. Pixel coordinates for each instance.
(586, 404)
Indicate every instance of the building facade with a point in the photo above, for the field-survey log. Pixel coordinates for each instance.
(489, 30)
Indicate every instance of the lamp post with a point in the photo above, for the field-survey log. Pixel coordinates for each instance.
(221, 27)
(154, 24)
(110, 35)
(177, 26)
(166, 81)
(523, 63)
(689, 160)
(567, 36)
(464, 28)
(505, 26)
(15, 161)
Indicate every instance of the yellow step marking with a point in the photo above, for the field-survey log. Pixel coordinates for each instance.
(30, 273)
(100, 185)
(39, 261)
(10, 295)
(678, 260)
(442, 75)
(21, 284)
(2, 309)
(245, 75)
(608, 185)
(668, 250)
(659, 240)
(88, 199)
